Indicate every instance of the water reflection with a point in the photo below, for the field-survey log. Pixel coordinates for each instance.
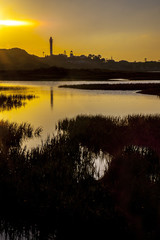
(10, 231)
(51, 98)
(100, 162)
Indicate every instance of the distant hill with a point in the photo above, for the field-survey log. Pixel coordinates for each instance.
(18, 59)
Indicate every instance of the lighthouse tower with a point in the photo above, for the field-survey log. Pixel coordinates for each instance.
(51, 46)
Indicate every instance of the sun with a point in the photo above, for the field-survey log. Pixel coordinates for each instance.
(15, 23)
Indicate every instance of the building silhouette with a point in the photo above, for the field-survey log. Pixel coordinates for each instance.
(71, 54)
(51, 46)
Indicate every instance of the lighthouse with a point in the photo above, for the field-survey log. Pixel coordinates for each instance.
(51, 46)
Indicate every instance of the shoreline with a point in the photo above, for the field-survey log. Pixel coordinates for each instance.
(55, 73)
(143, 88)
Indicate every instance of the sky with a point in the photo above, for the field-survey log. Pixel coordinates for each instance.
(121, 29)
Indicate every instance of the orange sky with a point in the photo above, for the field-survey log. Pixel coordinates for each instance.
(122, 29)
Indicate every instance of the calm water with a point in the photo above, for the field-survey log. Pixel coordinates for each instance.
(53, 104)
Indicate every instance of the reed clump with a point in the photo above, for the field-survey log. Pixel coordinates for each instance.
(54, 185)
(7, 102)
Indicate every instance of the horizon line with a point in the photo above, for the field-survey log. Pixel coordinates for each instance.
(106, 59)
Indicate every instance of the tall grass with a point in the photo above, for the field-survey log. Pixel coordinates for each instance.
(54, 185)
(112, 134)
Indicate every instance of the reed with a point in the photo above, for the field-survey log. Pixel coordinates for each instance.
(54, 187)
(7, 102)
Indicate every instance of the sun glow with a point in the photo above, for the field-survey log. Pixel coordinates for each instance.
(15, 23)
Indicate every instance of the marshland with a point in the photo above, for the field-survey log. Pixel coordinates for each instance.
(50, 160)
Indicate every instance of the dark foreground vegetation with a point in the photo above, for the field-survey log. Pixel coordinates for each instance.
(57, 73)
(51, 192)
(146, 88)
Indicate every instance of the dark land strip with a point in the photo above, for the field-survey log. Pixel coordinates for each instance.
(7, 88)
(55, 73)
(145, 88)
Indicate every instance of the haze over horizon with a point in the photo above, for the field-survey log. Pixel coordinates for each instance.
(123, 29)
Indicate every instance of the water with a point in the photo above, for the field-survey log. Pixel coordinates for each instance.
(53, 104)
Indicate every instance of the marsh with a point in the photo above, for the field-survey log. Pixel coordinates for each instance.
(49, 183)
(53, 188)
(52, 104)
